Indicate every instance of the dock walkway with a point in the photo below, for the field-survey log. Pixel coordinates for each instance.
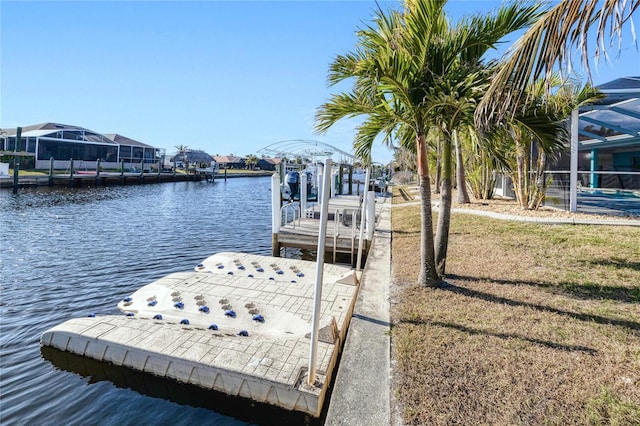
(343, 232)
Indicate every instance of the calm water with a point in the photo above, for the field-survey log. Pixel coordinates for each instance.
(65, 253)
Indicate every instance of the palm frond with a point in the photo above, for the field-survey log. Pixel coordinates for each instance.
(548, 43)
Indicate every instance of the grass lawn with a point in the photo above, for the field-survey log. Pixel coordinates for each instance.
(536, 324)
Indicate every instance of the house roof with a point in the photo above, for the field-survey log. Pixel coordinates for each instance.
(123, 140)
(82, 134)
(41, 129)
(193, 156)
(614, 121)
(59, 131)
(274, 161)
(228, 159)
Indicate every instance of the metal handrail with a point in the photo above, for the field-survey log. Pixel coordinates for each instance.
(295, 213)
(336, 229)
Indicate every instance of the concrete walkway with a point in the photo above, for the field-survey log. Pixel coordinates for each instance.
(361, 393)
(543, 220)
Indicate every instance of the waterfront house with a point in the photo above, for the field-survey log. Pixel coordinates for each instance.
(63, 142)
(230, 162)
(268, 163)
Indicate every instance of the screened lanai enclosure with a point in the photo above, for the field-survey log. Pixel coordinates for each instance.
(609, 138)
(600, 171)
(62, 143)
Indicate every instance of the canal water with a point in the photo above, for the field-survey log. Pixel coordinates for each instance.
(65, 253)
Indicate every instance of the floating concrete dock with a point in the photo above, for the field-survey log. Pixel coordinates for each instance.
(238, 324)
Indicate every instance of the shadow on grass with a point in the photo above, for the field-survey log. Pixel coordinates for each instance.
(510, 302)
(506, 336)
(613, 263)
(411, 232)
(586, 291)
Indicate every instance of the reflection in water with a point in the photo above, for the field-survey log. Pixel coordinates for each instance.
(179, 393)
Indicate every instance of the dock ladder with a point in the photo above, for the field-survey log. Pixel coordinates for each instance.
(337, 219)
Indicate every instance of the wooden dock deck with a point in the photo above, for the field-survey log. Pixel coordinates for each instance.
(343, 232)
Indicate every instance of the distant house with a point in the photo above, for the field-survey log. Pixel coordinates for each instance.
(230, 162)
(192, 157)
(131, 150)
(63, 142)
(268, 163)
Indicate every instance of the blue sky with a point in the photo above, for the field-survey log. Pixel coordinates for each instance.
(228, 77)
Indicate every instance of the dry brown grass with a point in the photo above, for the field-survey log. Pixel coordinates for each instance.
(537, 324)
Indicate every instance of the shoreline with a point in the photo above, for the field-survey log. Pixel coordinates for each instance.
(110, 179)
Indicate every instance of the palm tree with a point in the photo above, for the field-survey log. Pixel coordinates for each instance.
(413, 71)
(548, 43)
(388, 89)
(251, 161)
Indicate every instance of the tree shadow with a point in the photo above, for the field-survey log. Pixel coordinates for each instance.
(506, 336)
(585, 291)
(510, 302)
(613, 262)
(412, 232)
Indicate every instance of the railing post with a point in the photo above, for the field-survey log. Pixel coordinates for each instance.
(371, 214)
(573, 179)
(276, 216)
(317, 298)
(303, 192)
(362, 219)
(333, 183)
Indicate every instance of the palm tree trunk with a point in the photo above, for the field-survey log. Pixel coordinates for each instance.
(463, 194)
(521, 186)
(438, 165)
(444, 214)
(428, 276)
(540, 187)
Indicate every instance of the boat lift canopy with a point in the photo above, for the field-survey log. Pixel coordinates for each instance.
(309, 149)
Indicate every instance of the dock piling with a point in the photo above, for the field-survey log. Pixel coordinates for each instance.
(303, 192)
(16, 161)
(71, 166)
(51, 171)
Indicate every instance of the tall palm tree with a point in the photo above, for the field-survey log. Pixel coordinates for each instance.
(388, 89)
(548, 44)
(413, 71)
